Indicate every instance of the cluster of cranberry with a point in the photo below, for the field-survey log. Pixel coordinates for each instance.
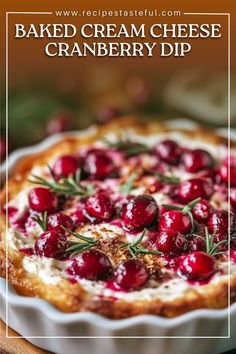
(175, 228)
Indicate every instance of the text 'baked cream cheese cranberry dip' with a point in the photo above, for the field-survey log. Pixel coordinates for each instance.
(128, 219)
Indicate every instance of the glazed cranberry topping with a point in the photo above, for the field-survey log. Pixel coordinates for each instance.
(100, 206)
(51, 244)
(155, 187)
(98, 164)
(194, 188)
(42, 199)
(196, 160)
(27, 251)
(79, 216)
(175, 221)
(209, 174)
(19, 222)
(171, 190)
(171, 243)
(139, 212)
(218, 222)
(91, 264)
(64, 166)
(202, 210)
(233, 197)
(225, 173)
(197, 244)
(57, 220)
(197, 266)
(131, 275)
(168, 151)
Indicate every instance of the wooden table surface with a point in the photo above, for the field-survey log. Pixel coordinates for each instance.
(16, 345)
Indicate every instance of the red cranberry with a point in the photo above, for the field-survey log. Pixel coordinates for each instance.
(2, 149)
(155, 187)
(91, 264)
(197, 266)
(98, 164)
(42, 199)
(197, 244)
(131, 275)
(196, 160)
(209, 174)
(170, 190)
(19, 222)
(51, 244)
(11, 210)
(233, 197)
(152, 236)
(202, 210)
(175, 221)
(57, 220)
(100, 206)
(139, 212)
(169, 151)
(78, 216)
(64, 166)
(121, 202)
(28, 251)
(59, 124)
(218, 222)
(171, 243)
(194, 188)
(225, 173)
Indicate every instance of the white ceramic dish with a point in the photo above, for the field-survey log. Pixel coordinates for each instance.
(40, 322)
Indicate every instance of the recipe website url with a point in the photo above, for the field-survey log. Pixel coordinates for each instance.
(118, 13)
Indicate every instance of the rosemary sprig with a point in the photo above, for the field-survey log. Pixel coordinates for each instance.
(211, 246)
(187, 209)
(130, 148)
(135, 248)
(167, 179)
(42, 221)
(84, 243)
(66, 186)
(126, 187)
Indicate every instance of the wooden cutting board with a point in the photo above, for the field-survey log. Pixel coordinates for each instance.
(16, 345)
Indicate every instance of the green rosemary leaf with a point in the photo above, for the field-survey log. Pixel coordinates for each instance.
(42, 221)
(135, 247)
(216, 245)
(67, 186)
(131, 251)
(171, 207)
(74, 247)
(146, 251)
(140, 239)
(83, 244)
(128, 186)
(167, 179)
(211, 247)
(186, 209)
(191, 219)
(191, 205)
(130, 148)
(80, 250)
(207, 240)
